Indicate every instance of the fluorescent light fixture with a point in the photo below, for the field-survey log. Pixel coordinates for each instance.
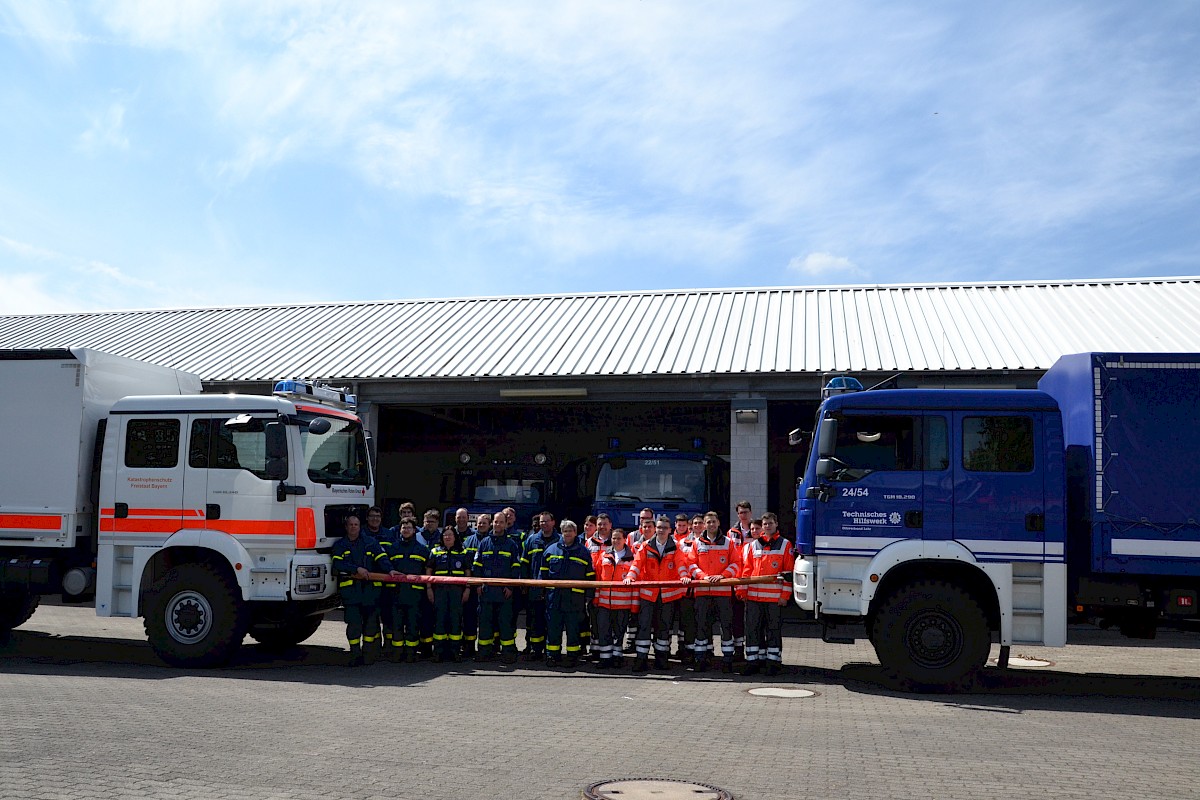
(547, 392)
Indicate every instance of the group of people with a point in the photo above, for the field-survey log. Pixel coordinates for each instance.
(649, 584)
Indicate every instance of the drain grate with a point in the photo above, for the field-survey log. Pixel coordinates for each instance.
(654, 789)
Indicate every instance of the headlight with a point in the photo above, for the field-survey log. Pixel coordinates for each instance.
(312, 572)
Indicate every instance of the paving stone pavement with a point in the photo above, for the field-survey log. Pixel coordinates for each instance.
(86, 710)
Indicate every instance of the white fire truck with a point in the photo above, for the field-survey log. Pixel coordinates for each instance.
(210, 516)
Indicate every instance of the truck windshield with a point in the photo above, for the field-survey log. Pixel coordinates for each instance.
(646, 479)
(338, 455)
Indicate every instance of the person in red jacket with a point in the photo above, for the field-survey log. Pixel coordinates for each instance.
(613, 604)
(658, 559)
(713, 556)
(769, 554)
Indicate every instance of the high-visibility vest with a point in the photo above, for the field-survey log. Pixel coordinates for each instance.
(761, 557)
(650, 565)
(721, 558)
(611, 567)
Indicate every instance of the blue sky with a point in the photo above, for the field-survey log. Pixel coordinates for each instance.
(200, 152)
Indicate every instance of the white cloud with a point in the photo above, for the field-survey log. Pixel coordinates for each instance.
(50, 24)
(29, 293)
(825, 266)
(62, 282)
(107, 131)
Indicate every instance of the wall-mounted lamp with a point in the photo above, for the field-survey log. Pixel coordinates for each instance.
(746, 416)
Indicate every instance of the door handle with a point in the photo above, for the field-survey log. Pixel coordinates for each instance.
(120, 510)
(912, 519)
(1035, 523)
(212, 511)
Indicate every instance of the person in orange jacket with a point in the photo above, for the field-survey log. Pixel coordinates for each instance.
(658, 559)
(769, 554)
(613, 604)
(713, 556)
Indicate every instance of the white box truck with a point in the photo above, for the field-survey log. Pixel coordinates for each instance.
(210, 516)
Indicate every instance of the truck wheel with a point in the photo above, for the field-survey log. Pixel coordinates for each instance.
(16, 608)
(195, 617)
(932, 635)
(287, 634)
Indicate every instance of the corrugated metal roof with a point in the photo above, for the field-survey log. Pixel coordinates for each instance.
(986, 326)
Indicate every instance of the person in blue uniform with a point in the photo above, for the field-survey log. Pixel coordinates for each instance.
(531, 566)
(408, 556)
(566, 609)
(354, 556)
(483, 529)
(498, 556)
(449, 559)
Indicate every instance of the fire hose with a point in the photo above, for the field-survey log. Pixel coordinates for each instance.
(455, 580)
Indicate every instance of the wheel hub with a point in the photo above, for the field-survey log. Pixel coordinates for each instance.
(935, 639)
(189, 617)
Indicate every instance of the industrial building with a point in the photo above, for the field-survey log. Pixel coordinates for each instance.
(453, 386)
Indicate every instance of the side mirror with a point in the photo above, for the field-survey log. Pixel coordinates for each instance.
(319, 426)
(797, 437)
(824, 468)
(277, 465)
(827, 438)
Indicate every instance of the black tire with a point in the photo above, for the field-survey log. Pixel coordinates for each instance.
(933, 636)
(287, 634)
(195, 617)
(16, 608)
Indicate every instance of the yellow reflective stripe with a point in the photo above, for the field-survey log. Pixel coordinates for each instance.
(345, 583)
(581, 561)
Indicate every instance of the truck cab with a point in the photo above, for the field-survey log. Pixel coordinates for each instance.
(935, 518)
(218, 513)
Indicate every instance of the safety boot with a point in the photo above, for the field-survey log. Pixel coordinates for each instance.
(660, 661)
(751, 668)
(508, 657)
(727, 665)
(356, 657)
(640, 665)
(774, 667)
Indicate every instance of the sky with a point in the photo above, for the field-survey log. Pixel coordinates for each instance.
(212, 153)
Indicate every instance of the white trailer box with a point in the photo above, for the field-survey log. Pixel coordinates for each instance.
(51, 402)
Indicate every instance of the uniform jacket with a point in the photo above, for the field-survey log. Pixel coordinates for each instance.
(410, 557)
(563, 562)
(707, 558)
(497, 557)
(531, 558)
(650, 565)
(611, 566)
(348, 556)
(454, 563)
(762, 557)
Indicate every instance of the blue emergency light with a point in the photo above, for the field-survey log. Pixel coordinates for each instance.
(322, 394)
(841, 384)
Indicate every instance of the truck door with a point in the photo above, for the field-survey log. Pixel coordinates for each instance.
(999, 497)
(876, 488)
(938, 512)
(228, 485)
(148, 487)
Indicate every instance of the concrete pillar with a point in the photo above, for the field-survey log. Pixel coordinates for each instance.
(747, 455)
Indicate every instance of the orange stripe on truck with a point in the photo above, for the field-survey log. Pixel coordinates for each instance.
(31, 522)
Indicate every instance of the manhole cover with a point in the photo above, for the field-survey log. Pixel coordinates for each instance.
(1022, 661)
(654, 788)
(775, 691)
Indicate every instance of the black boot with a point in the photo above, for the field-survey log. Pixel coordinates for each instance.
(774, 667)
(356, 657)
(660, 661)
(727, 665)
(640, 665)
(751, 668)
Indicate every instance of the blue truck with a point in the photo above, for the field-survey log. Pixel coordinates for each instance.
(667, 481)
(935, 522)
